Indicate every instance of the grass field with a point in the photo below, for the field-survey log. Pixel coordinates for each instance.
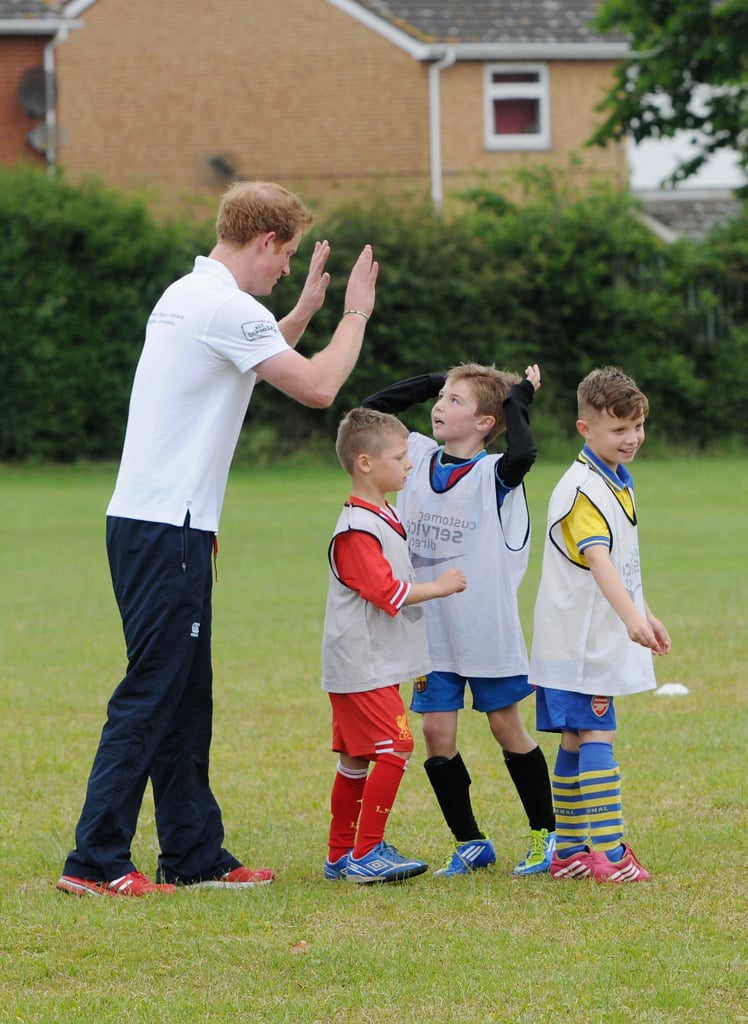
(469, 950)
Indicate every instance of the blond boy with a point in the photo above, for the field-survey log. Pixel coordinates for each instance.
(374, 639)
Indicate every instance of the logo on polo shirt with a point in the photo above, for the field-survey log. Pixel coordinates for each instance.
(258, 330)
(195, 631)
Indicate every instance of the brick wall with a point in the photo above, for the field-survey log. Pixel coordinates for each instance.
(293, 91)
(17, 54)
(163, 95)
(575, 88)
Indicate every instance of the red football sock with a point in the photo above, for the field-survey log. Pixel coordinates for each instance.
(379, 796)
(345, 807)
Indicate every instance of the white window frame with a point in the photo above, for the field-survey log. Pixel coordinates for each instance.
(539, 91)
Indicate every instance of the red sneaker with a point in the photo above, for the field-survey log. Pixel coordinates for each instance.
(578, 865)
(239, 878)
(133, 884)
(627, 869)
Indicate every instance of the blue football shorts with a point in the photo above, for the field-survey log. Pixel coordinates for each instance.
(445, 691)
(560, 710)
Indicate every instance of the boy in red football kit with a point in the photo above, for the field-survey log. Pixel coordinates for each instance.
(374, 639)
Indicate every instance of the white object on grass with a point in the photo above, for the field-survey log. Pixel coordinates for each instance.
(671, 690)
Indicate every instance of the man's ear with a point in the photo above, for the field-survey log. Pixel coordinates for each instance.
(262, 243)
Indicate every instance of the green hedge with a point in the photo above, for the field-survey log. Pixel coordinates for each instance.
(81, 269)
(570, 282)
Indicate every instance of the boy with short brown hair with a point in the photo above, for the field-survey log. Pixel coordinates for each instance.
(594, 632)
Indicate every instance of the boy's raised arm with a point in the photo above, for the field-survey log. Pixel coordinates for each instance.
(396, 397)
(521, 450)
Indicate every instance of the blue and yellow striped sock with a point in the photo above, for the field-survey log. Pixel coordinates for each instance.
(600, 787)
(571, 821)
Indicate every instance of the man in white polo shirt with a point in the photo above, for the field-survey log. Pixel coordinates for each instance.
(208, 341)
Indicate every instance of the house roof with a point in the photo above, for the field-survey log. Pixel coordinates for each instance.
(31, 17)
(477, 29)
(522, 28)
(688, 213)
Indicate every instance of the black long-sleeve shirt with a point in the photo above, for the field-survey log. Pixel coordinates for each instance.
(520, 451)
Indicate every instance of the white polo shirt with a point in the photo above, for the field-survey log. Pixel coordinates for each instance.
(191, 390)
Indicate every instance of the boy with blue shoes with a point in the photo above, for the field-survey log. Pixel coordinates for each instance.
(374, 639)
(462, 506)
(594, 632)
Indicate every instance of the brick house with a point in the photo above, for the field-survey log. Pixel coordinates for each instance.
(30, 32)
(332, 97)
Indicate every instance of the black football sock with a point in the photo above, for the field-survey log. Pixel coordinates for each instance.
(450, 781)
(529, 773)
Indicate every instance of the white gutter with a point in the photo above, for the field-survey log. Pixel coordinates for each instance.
(75, 7)
(50, 101)
(435, 126)
(531, 51)
(34, 26)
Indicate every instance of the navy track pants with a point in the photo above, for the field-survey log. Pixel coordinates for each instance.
(159, 718)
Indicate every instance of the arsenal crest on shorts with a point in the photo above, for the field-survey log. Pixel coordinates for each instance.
(600, 706)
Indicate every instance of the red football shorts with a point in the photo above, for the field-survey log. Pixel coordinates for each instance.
(371, 723)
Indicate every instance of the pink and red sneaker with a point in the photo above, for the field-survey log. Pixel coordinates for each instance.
(627, 869)
(578, 865)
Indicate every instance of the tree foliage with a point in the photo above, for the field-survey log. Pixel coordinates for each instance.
(688, 71)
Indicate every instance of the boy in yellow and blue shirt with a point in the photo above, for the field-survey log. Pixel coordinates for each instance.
(594, 633)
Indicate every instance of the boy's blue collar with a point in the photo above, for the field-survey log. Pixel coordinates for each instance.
(451, 461)
(621, 477)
